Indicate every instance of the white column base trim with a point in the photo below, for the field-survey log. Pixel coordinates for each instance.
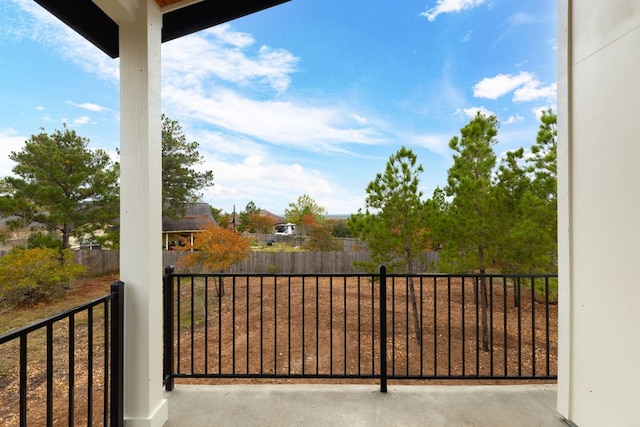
(157, 419)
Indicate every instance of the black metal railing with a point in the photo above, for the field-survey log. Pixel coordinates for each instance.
(67, 368)
(359, 326)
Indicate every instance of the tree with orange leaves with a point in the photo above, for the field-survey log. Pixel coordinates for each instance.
(257, 223)
(216, 249)
(307, 223)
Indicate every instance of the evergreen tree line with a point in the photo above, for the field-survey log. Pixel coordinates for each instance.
(493, 215)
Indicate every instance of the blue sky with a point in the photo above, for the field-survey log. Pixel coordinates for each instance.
(309, 97)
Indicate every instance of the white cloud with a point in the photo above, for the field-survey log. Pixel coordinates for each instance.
(225, 54)
(41, 26)
(533, 90)
(438, 144)
(10, 141)
(473, 111)
(195, 71)
(227, 35)
(224, 145)
(218, 52)
(359, 119)
(514, 119)
(543, 108)
(82, 120)
(39, 108)
(495, 87)
(524, 85)
(448, 6)
(237, 181)
(89, 106)
(276, 122)
(245, 170)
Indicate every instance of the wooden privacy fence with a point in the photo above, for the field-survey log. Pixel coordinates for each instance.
(303, 262)
(99, 261)
(107, 261)
(259, 262)
(347, 243)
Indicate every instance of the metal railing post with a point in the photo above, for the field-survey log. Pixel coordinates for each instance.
(23, 380)
(117, 354)
(383, 329)
(168, 328)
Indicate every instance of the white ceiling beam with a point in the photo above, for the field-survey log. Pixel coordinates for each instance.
(119, 10)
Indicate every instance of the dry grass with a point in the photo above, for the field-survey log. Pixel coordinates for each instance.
(82, 290)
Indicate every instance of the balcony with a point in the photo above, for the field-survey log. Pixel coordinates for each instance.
(273, 328)
(309, 349)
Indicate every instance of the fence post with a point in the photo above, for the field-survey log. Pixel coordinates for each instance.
(168, 328)
(383, 329)
(117, 354)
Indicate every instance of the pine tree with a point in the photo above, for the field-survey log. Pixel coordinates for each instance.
(62, 184)
(181, 182)
(394, 228)
(473, 230)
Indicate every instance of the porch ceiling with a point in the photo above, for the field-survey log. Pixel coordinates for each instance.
(86, 18)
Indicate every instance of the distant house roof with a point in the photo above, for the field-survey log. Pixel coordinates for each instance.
(197, 217)
(271, 215)
(235, 218)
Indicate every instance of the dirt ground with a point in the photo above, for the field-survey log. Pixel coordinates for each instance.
(82, 290)
(283, 329)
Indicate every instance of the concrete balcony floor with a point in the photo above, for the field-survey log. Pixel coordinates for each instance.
(363, 405)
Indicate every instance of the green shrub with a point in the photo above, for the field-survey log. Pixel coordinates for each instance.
(322, 240)
(28, 276)
(40, 239)
(279, 247)
(541, 290)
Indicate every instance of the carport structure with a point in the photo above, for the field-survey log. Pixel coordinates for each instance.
(134, 30)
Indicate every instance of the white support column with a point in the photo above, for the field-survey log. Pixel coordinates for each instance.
(140, 215)
(564, 212)
(598, 212)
